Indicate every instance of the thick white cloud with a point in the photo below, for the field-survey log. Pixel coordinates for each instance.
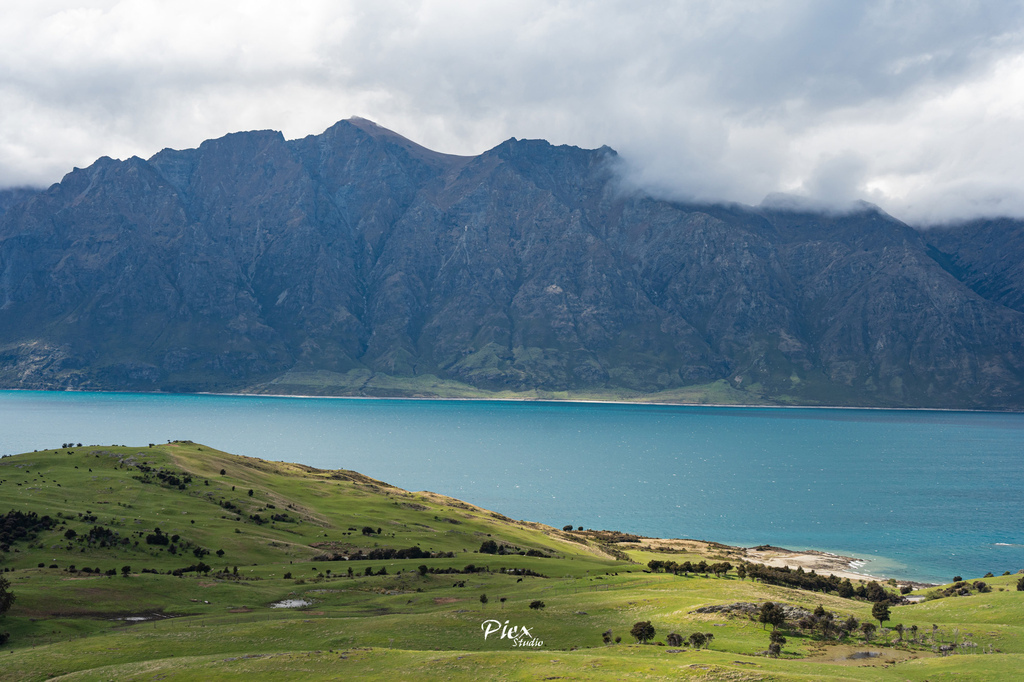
(916, 106)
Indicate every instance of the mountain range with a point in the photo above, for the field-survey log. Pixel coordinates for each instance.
(357, 262)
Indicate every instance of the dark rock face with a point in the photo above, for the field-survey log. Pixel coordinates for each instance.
(13, 196)
(357, 253)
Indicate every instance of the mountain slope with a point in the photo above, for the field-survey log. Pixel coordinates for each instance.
(253, 263)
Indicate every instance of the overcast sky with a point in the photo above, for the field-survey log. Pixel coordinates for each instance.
(917, 106)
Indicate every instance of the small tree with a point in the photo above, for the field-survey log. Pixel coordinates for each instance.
(741, 571)
(606, 636)
(489, 547)
(673, 639)
(772, 614)
(502, 600)
(643, 631)
(483, 598)
(250, 492)
(536, 604)
(126, 571)
(868, 629)
(422, 569)
(567, 528)
(698, 639)
(6, 596)
(777, 637)
(1020, 584)
(880, 612)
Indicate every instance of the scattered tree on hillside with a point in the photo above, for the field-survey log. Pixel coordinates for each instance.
(700, 639)
(1020, 584)
(776, 642)
(673, 639)
(880, 612)
(643, 631)
(489, 547)
(536, 604)
(6, 596)
(772, 614)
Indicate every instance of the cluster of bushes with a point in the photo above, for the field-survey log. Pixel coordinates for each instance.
(719, 569)
(165, 477)
(194, 568)
(85, 569)
(104, 537)
(962, 588)
(385, 554)
(813, 582)
(521, 571)
(18, 526)
(643, 632)
(159, 538)
(471, 568)
(492, 547)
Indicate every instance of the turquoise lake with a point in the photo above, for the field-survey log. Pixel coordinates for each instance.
(919, 494)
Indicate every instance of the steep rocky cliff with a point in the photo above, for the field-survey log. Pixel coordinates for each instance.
(256, 263)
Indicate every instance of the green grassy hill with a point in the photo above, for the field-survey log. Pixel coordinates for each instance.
(207, 560)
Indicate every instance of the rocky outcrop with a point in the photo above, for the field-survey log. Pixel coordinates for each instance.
(253, 260)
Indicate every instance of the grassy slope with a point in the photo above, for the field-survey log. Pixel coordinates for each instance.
(396, 625)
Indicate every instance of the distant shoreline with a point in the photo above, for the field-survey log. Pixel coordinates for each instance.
(593, 401)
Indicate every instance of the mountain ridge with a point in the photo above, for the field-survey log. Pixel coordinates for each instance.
(526, 268)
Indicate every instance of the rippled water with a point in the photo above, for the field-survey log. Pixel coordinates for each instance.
(918, 494)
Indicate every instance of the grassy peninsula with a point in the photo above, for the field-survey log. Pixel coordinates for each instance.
(176, 561)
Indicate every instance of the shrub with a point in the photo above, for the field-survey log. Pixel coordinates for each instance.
(536, 604)
(642, 631)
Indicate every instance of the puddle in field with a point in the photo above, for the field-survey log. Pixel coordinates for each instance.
(290, 604)
(142, 618)
(858, 655)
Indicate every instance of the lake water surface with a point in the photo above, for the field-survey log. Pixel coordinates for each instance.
(922, 495)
